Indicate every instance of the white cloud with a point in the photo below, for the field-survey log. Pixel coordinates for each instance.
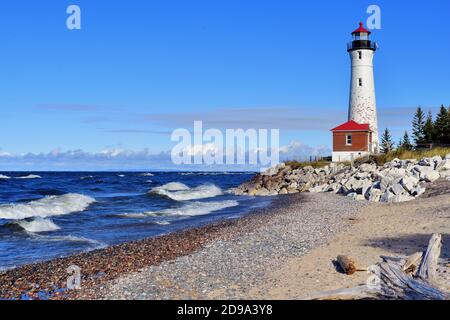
(114, 158)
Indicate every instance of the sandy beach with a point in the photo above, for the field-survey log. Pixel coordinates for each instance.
(284, 251)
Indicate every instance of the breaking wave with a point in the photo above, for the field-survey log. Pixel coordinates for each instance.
(46, 207)
(188, 209)
(38, 225)
(4, 177)
(148, 174)
(180, 192)
(30, 176)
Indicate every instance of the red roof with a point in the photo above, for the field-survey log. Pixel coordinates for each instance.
(361, 29)
(352, 126)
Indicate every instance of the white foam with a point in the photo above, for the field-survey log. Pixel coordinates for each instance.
(201, 208)
(30, 176)
(180, 192)
(68, 238)
(38, 225)
(46, 207)
(4, 177)
(195, 208)
(148, 174)
(172, 186)
(163, 223)
(121, 175)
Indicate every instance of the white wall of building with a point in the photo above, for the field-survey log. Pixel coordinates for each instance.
(362, 105)
(341, 156)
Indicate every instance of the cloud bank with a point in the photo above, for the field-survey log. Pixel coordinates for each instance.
(111, 159)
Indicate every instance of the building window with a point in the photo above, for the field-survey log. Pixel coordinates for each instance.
(348, 139)
(360, 82)
(360, 55)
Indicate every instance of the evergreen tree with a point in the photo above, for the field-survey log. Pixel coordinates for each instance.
(418, 127)
(387, 144)
(405, 143)
(429, 129)
(442, 126)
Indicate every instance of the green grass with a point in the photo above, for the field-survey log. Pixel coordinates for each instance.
(408, 154)
(315, 164)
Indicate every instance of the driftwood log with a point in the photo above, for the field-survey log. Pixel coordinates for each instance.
(347, 264)
(404, 278)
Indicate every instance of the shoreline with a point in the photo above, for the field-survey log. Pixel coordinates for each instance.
(282, 251)
(48, 278)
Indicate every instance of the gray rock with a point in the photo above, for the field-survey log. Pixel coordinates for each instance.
(443, 165)
(402, 198)
(409, 183)
(374, 195)
(397, 189)
(428, 174)
(418, 191)
(387, 196)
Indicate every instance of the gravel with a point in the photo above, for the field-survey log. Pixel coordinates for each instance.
(230, 265)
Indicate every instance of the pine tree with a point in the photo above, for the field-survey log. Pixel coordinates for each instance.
(442, 126)
(418, 126)
(387, 144)
(429, 129)
(405, 143)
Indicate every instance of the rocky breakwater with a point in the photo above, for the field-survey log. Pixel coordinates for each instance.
(395, 181)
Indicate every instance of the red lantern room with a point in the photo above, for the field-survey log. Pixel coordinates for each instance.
(361, 40)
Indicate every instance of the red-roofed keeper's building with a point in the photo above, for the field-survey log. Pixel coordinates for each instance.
(351, 140)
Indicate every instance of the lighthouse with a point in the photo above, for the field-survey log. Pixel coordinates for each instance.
(358, 137)
(362, 105)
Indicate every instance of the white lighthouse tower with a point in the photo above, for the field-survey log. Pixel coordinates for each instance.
(362, 105)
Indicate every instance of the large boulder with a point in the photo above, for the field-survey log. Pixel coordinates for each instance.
(443, 165)
(427, 174)
(374, 195)
(397, 189)
(409, 183)
(387, 196)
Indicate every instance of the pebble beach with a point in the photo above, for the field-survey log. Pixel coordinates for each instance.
(220, 259)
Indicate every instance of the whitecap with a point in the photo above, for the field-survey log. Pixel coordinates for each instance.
(38, 225)
(4, 177)
(68, 238)
(46, 207)
(180, 192)
(162, 223)
(195, 208)
(30, 176)
(121, 175)
(147, 174)
(172, 186)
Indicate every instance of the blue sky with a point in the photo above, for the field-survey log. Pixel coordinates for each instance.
(139, 69)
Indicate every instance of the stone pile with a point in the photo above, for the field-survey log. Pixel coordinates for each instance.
(395, 181)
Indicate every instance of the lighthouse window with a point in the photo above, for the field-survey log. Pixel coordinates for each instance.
(360, 55)
(360, 82)
(348, 139)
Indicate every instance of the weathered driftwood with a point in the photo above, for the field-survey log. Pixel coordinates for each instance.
(428, 267)
(408, 263)
(347, 264)
(395, 278)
